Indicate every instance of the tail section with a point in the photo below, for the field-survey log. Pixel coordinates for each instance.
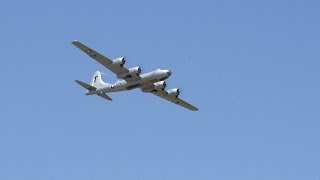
(97, 80)
(95, 84)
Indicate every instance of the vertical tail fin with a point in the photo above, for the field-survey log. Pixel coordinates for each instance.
(97, 80)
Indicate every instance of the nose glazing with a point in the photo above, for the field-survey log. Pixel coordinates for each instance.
(169, 72)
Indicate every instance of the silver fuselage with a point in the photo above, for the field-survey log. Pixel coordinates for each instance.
(143, 79)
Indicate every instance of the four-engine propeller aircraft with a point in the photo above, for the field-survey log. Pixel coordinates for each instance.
(152, 82)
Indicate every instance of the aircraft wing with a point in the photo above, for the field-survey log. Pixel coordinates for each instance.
(175, 100)
(106, 62)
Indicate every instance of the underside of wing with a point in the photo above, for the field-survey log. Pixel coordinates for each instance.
(174, 99)
(116, 66)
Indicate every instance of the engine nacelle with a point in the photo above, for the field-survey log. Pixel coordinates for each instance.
(161, 85)
(119, 61)
(135, 71)
(131, 73)
(174, 92)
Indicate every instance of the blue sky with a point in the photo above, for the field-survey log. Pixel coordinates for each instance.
(252, 68)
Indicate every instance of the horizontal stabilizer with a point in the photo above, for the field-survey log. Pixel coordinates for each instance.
(105, 96)
(86, 86)
(92, 88)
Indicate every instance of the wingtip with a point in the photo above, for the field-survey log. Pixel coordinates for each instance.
(74, 41)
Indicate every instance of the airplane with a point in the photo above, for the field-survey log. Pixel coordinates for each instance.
(151, 82)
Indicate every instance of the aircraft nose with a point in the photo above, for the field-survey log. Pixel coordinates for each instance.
(169, 73)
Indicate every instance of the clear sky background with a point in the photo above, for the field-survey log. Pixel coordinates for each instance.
(251, 67)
